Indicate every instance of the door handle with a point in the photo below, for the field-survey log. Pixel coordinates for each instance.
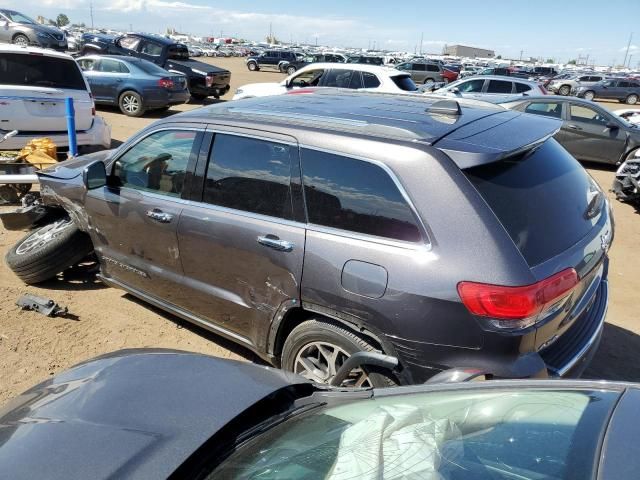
(574, 127)
(159, 216)
(274, 242)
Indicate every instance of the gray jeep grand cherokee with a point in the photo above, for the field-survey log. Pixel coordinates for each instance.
(310, 227)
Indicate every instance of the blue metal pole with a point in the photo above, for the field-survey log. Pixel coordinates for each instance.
(71, 126)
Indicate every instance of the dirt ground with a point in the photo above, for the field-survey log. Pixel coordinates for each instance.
(33, 347)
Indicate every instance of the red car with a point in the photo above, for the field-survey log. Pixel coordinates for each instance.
(449, 75)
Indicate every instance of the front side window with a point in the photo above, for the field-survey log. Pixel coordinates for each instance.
(250, 175)
(158, 163)
(404, 66)
(310, 78)
(357, 196)
(151, 48)
(553, 110)
(474, 435)
(472, 86)
(580, 113)
(130, 43)
(499, 86)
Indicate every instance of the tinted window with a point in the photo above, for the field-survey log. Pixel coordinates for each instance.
(158, 163)
(561, 188)
(585, 79)
(370, 80)
(624, 84)
(553, 110)
(580, 113)
(337, 78)
(355, 195)
(250, 175)
(40, 71)
(472, 86)
(462, 435)
(522, 87)
(499, 86)
(356, 81)
(404, 82)
(419, 67)
(432, 68)
(150, 48)
(178, 52)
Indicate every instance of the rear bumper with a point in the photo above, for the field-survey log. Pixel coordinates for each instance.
(164, 99)
(99, 135)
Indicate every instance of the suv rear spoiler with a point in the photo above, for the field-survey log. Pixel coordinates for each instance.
(495, 137)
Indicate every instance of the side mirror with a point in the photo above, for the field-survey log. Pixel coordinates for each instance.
(94, 175)
(455, 90)
(612, 126)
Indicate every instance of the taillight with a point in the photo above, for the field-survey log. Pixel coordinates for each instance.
(165, 83)
(544, 90)
(518, 307)
(209, 80)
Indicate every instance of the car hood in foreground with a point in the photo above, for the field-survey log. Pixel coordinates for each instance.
(131, 414)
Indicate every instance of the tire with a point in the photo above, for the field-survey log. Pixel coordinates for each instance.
(253, 66)
(564, 90)
(198, 96)
(429, 81)
(316, 335)
(52, 249)
(631, 99)
(291, 70)
(589, 95)
(130, 104)
(20, 39)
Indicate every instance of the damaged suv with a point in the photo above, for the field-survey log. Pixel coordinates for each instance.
(310, 227)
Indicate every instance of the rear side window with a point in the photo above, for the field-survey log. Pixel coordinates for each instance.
(540, 198)
(499, 86)
(250, 175)
(433, 68)
(150, 48)
(553, 110)
(40, 71)
(108, 65)
(178, 52)
(419, 67)
(370, 80)
(404, 82)
(522, 87)
(354, 195)
(338, 78)
(148, 67)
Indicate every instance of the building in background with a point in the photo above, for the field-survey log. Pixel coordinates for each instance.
(469, 52)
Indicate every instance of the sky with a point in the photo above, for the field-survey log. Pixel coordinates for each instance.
(561, 30)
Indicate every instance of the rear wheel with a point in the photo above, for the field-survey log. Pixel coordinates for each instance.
(21, 40)
(48, 250)
(632, 99)
(316, 349)
(589, 95)
(564, 90)
(130, 104)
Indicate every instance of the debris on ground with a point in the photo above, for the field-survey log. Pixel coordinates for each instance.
(41, 305)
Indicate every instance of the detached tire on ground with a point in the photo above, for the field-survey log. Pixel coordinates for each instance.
(47, 251)
(317, 348)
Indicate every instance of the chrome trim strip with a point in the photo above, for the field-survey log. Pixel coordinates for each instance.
(175, 310)
(261, 135)
(585, 348)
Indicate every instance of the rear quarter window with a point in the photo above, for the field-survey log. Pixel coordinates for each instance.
(404, 82)
(541, 198)
(40, 71)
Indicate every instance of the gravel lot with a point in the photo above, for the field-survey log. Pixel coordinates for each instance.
(33, 347)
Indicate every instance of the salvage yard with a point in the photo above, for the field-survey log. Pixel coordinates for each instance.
(102, 319)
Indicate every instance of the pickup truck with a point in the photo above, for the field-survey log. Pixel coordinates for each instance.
(204, 80)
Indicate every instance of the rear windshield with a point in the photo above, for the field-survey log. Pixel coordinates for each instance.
(541, 199)
(40, 71)
(178, 52)
(151, 68)
(404, 82)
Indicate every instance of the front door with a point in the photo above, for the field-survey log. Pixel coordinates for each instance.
(241, 250)
(135, 217)
(587, 137)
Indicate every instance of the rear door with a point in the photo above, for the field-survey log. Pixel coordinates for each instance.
(587, 137)
(241, 245)
(499, 87)
(34, 87)
(110, 77)
(135, 218)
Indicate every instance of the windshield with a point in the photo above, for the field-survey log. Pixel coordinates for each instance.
(404, 82)
(477, 435)
(17, 17)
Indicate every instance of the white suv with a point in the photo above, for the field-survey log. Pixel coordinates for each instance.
(34, 83)
(340, 75)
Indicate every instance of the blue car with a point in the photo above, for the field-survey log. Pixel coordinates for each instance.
(133, 84)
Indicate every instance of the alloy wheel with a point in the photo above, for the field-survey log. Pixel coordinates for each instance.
(41, 237)
(632, 99)
(320, 361)
(21, 40)
(589, 96)
(130, 103)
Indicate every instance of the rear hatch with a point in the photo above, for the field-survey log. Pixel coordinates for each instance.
(554, 212)
(33, 88)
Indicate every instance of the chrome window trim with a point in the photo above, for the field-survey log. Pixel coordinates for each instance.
(217, 129)
(426, 240)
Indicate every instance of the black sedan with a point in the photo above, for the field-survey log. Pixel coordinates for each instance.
(589, 132)
(160, 413)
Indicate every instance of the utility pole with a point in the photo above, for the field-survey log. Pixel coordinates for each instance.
(421, 41)
(521, 52)
(91, 13)
(270, 32)
(627, 52)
